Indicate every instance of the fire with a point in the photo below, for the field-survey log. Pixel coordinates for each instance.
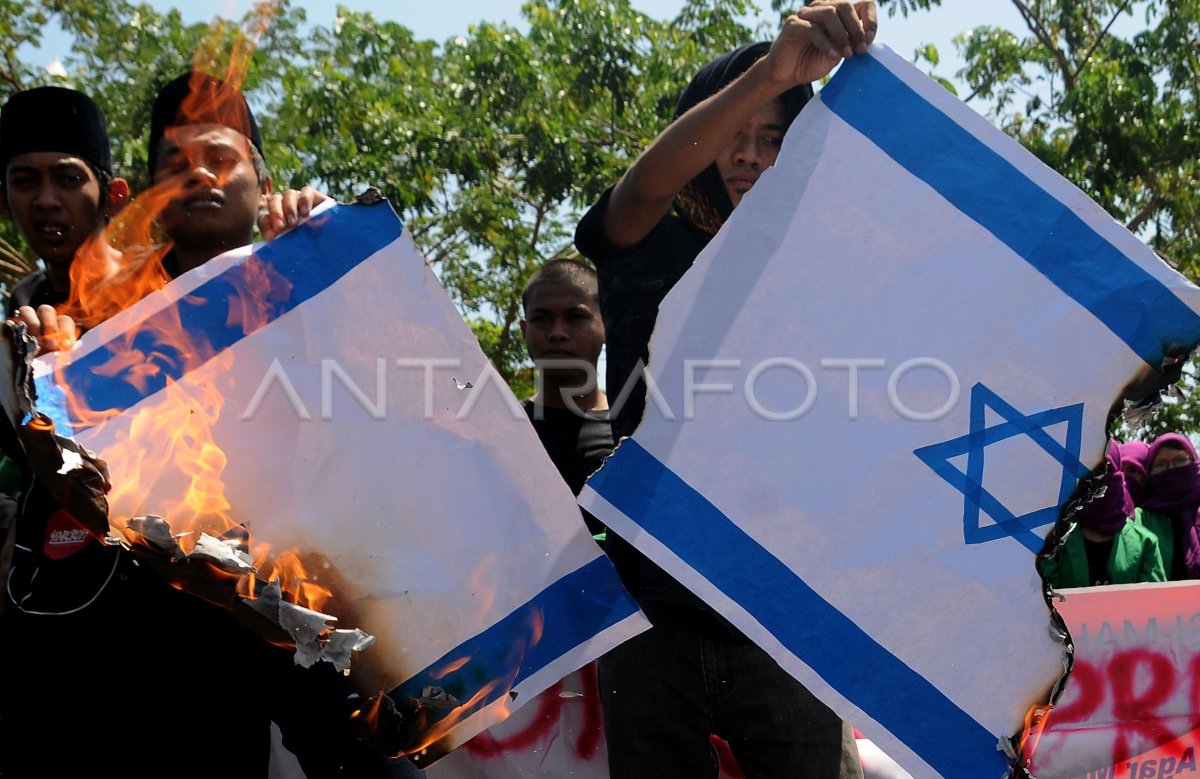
(287, 569)
(442, 727)
(124, 265)
(168, 447)
(173, 432)
(450, 668)
(125, 262)
(434, 736)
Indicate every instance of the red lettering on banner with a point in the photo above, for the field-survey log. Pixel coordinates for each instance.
(1131, 708)
(1142, 682)
(1137, 711)
(1122, 672)
(1164, 768)
(1087, 688)
(547, 720)
(1194, 687)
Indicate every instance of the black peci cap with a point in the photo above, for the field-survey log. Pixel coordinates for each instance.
(198, 98)
(54, 119)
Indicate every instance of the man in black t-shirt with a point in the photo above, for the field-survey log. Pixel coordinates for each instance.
(564, 333)
(693, 674)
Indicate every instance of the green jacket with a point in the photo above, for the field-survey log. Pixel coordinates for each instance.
(1135, 558)
(1160, 524)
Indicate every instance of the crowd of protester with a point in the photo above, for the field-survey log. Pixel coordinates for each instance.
(1136, 521)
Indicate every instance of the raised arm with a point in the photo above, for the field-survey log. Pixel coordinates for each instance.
(809, 45)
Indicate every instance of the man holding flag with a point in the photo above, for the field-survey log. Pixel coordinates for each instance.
(693, 673)
(109, 643)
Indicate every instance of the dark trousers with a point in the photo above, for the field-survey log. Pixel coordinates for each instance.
(665, 691)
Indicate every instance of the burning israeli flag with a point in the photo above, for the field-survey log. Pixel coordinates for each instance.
(322, 392)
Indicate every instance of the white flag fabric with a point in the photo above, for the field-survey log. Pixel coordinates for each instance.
(871, 394)
(362, 423)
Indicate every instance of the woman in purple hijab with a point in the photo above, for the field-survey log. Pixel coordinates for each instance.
(1106, 547)
(1135, 465)
(1172, 502)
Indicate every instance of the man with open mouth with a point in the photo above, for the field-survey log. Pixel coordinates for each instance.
(57, 185)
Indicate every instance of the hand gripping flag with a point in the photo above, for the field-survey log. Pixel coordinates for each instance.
(871, 394)
(361, 424)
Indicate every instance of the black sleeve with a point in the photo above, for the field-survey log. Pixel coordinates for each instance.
(664, 241)
(590, 239)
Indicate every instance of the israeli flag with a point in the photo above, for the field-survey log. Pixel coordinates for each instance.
(364, 426)
(871, 394)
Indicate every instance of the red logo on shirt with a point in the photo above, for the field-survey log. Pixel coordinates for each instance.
(64, 536)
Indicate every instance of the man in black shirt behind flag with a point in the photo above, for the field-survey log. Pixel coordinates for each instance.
(564, 334)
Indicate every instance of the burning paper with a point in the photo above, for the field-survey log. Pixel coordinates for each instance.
(302, 389)
(73, 475)
(874, 390)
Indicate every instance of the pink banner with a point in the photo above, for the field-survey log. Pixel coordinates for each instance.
(1131, 708)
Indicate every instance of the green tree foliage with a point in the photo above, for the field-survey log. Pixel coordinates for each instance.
(1104, 92)
(20, 26)
(1115, 113)
(494, 143)
(122, 52)
(490, 144)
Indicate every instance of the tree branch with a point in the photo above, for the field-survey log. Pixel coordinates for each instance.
(1038, 29)
(1144, 213)
(1152, 205)
(1100, 39)
(502, 345)
(985, 85)
(449, 242)
(10, 74)
(537, 228)
(512, 189)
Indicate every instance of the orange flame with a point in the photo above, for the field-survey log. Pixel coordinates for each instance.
(295, 581)
(123, 264)
(437, 737)
(442, 727)
(167, 447)
(170, 439)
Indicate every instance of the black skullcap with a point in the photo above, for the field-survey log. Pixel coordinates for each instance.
(198, 98)
(705, 202)
(54, 119)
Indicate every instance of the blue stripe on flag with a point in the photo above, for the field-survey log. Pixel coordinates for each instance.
(1135, 306)
(302, 263)
(827, 641)
(573, 610)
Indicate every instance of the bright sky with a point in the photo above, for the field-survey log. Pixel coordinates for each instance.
(443, 21)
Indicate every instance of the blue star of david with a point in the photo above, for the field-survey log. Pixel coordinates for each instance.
(977, 500)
